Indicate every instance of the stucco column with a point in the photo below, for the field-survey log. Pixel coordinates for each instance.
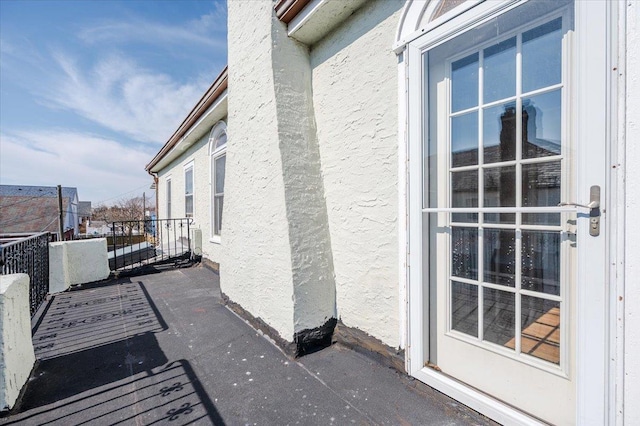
(314, 287)
(277, 263)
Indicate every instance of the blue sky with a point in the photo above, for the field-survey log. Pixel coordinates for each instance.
(91, 90)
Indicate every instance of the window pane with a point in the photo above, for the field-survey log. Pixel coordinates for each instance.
(541, 261)
(464, 140)
(500, 191)
(541, 188)
(500, 256)
(222, 140)
(499, 133)
(464, 83)
(500, 71)
(464, 187)
(542, 126)
(188, 205)
(540, 321)
(464, 308)
(219, 166)
(217, 214)
(542, 56)
(188, 181)
(464, 252)
(499, 316)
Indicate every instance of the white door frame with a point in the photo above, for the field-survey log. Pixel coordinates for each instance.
(594, 332)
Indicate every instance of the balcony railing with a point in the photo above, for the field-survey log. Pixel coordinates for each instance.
(137, 243)
(28, 254)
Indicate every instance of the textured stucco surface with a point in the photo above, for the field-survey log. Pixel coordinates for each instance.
(632, 207)
(255, 268)
(77, 262)
(16, 350)
(309, 238)
(355, 101)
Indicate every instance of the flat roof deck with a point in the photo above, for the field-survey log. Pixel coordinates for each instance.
(162, 348)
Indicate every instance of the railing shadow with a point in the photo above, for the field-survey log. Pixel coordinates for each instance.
(170, 392)
(99, 362)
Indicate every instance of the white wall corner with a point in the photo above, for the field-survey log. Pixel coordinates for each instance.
(16, 348)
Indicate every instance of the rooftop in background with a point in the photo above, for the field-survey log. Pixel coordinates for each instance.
(29, 214)
(25, 208)
(36, 191)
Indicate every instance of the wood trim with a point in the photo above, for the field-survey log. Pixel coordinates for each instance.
(215, 90)
(286, 10)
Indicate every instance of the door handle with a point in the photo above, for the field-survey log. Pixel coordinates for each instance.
(594, 210)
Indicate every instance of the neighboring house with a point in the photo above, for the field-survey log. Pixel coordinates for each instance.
(84, 211)
(84, 215)
(412, 169)
(35, 209)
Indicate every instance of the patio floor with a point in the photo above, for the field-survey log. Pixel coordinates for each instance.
(162, 348)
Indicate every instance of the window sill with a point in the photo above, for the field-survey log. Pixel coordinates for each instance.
(215, 240)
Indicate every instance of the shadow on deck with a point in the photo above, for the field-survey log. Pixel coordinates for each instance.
(99, 361)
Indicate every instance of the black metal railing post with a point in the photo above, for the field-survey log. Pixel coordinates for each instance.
(115, 246)
(29, 255)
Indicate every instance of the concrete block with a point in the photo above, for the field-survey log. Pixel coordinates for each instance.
(77, 262)
(87, 261)
(16, 349)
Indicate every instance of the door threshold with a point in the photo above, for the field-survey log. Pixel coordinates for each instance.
(479, 401)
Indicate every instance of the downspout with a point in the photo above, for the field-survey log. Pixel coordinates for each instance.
(155, 183)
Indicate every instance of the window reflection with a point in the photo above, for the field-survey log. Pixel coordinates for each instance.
(541, 261)
(464, 308)
(464, 82)
(500, 256)
(499, 312)
(499, 133)
(464, 252)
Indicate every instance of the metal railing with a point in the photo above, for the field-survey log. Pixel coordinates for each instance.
(136, 243)
(29, 255)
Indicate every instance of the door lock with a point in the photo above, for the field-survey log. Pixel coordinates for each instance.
(594, 210)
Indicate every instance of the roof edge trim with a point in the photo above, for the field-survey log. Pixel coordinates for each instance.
(286, 10)
(216, 89)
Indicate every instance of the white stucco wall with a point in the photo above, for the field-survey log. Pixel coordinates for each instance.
(631, 158)
(255, 270)
(355, 101)
(77, 262)
(16, 349)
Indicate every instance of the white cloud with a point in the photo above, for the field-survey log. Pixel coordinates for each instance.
(122, 96)
(100, 168)
(199, 31)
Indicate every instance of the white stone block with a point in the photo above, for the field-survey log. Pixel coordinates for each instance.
(77, 262)
(87, 261)
(16, 349)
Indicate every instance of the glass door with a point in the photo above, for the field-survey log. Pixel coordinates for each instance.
(499, 250)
